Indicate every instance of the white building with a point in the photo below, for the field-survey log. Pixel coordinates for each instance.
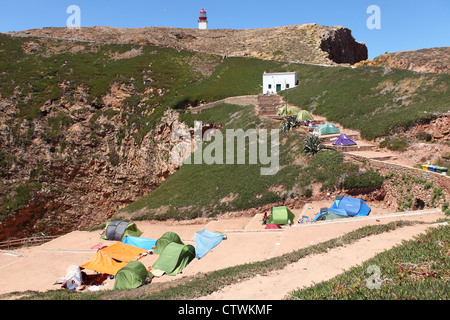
(274, 82)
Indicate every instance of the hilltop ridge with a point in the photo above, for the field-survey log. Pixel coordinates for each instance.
(306, 43)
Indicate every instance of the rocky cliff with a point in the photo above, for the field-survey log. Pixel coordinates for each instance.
(308, 43)
(436, 60)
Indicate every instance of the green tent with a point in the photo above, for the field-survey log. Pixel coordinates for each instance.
(304, 115)
(131, 276)
(165, 239)
(331, 216)
(287, 111)
(174, 258)
(117, 230)
(327, 128)
(281, 215)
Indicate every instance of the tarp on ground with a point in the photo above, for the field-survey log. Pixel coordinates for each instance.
(143, 243)
(111, 259)
(304, 115)
(287, 111)
(344, 140)
(344, 206)
(174, 258)
(103, 263)
(131, 276)
(165, 239)
(281, 215)
(117, 230)
(205, 240)
(327, 128)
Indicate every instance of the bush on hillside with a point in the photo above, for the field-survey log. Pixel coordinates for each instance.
(368, 179)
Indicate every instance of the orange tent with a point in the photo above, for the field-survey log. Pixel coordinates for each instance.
(111, 259)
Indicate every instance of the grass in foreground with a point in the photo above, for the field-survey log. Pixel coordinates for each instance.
(204, 284)
(415, 270)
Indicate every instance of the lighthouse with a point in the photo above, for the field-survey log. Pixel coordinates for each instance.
(202, 20)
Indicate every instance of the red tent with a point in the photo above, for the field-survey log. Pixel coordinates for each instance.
(272, 226)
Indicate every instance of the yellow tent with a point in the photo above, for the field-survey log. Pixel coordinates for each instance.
(111, 259)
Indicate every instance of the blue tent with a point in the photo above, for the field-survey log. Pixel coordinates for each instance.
(343, 207)
(205, 240)
(139, 242)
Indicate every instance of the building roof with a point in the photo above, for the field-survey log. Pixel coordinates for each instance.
(279, 73)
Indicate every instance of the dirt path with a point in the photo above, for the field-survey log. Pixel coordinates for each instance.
(314, 269)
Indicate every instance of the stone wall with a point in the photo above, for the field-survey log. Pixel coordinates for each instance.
(240, 100)
(425, 189)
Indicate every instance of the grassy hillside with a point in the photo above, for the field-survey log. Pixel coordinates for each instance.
(199, 190)
(79, 78)
(373, 100)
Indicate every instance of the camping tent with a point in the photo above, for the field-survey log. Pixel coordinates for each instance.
(117, 230)
(143, 243)
(329, 216)
(281, 215)
(205, 240)
(344, 206)
(327, 128)
(304, 115)
(273, 226)
(287, 111)
(111, 259)
(131, 276)
(344, 140)
(165, 239)
(174, 258)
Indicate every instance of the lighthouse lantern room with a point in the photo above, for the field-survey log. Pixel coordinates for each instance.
(203, 20)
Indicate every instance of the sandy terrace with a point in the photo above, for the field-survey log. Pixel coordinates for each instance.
(37, 268)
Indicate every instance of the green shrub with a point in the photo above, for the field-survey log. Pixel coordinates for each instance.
(394, 144)
(424, 136)
(368, 179)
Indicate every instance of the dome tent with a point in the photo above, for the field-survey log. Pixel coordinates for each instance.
(117, 230)
(174, 258)
(132, 276)
(344, 140)
(304, 115)
(166, 239)
(287, 111)
(344, 207)
(281, 215)
(327, 128)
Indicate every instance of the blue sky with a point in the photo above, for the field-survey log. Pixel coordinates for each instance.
(405, 25)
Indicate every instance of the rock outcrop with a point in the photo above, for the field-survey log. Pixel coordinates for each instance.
(342, 47)
(83, 179)
(435, 60)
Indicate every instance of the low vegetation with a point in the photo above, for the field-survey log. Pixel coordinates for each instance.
(198, 190)
(415, 270)
(374, 100)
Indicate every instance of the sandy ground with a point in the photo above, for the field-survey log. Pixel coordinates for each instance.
(36, 268)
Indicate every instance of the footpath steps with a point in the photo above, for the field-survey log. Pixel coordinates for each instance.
(268, 105)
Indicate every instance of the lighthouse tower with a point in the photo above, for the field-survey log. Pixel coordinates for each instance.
(203, 20)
